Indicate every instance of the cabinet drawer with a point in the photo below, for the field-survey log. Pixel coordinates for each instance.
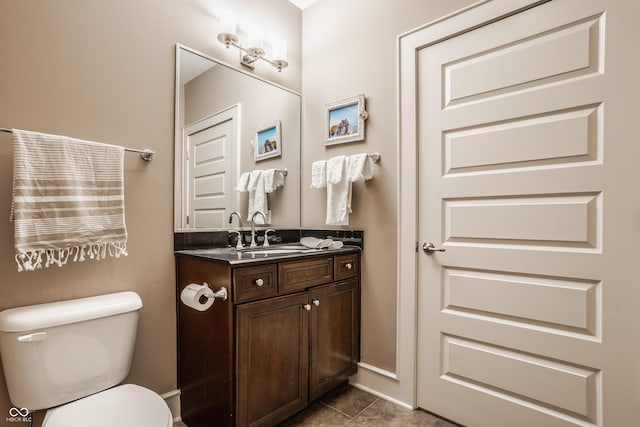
(297, 275)
(251, 283)
(346, 266)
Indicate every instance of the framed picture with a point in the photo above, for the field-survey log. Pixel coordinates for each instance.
(344, 121)
(268, 143)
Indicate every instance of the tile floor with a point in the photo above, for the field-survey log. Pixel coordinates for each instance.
(349, 406)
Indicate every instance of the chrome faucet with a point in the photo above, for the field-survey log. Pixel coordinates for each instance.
(239, 244)
(235, 213)
(253, 227)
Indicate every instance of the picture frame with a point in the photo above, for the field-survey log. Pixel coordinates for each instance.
(268, 141)
(344, 121)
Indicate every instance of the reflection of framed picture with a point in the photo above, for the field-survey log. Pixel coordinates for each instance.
(268, 142)
(344, 121)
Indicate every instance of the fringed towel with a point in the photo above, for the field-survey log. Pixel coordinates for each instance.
(68, 200)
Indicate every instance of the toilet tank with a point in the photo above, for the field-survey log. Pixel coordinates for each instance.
(61, 351)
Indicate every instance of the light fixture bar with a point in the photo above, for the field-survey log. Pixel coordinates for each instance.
(250, 55)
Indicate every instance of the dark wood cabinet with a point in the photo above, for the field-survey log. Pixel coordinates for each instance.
(288, 333)
(335, 335)
(272, 359)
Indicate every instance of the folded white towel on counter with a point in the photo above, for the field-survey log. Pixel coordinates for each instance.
(68, 200)
(273, 179)
(338, 192)
(319, 174)
(243, 182)
(359, 168)
(335, 244)
(316, 243)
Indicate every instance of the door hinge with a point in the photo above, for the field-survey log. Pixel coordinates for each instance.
(188, 223)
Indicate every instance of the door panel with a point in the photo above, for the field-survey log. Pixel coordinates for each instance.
(210, 146)
(519, 320)
(537, 57)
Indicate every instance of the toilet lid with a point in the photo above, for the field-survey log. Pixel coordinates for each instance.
(127, 405)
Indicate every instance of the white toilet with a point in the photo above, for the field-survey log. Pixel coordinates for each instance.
(67, 357)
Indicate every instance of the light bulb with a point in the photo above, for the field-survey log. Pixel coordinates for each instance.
(256, 36)
(280, 50)
(228, 22)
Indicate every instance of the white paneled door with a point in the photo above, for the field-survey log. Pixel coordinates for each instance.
(528, 179)
(210, 146)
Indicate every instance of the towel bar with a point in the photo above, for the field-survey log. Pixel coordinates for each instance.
(146, 154)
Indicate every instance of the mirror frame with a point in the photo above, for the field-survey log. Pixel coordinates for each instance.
(178, 149)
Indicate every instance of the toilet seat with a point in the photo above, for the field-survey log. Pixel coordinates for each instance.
(127, 405)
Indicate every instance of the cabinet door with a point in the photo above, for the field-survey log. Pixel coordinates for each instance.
(272, 359)
(334, 334)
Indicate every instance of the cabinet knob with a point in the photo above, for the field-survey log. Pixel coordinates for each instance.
(316, 302)
(307, 307)
(259, 282)
(348, 266)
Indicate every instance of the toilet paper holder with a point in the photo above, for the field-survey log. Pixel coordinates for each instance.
(222, 294)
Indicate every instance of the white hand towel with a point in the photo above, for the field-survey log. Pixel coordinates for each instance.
(336, 170)
(273, 179)
(338, 192)
(257, 196)
(253, 179)
(360, 168)
(243, 182)
(319, 174)
(278, 178)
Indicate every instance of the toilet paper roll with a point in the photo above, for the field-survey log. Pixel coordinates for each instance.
(198, 297)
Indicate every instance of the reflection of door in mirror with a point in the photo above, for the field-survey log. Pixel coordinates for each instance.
(210, 149)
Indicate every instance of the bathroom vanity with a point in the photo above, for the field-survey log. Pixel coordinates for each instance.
(288, 333)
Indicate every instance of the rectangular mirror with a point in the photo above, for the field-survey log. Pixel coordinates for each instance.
(221, 114)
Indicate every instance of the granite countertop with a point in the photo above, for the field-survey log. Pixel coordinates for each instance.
(259, 254)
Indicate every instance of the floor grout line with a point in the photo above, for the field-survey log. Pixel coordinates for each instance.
(369, 406)
(337, 410)
(347, 415)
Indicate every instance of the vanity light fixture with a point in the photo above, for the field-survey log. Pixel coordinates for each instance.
(250, 55)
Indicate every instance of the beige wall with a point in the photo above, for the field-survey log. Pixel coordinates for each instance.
(349, 47)
(104, 70)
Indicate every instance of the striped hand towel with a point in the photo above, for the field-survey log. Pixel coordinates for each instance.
(68, 200)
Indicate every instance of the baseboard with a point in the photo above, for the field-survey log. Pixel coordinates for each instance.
(173, 402)
(381, 395)
(382, 383)
(379, 371)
